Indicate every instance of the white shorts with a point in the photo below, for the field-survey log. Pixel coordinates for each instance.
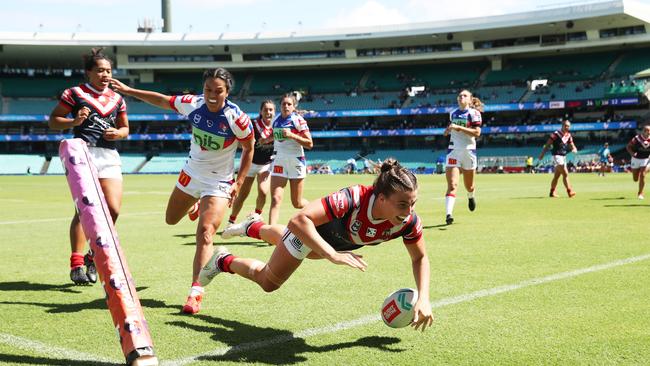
(295, 247)
(639, 163)
(289, 167)
(256, 169)
(193, 186)
(462, 158)
(107, 162)
(559, 160)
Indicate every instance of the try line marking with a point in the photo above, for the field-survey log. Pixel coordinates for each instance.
(375, 318)
(62, 353)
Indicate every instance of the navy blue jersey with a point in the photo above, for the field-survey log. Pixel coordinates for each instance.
(263, 152)
(641, 147)
(104, 107)
(561, 143)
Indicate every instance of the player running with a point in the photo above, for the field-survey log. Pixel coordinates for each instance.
(332, 228)
(217, 126)
(99, 118)
(260, 168)
(639, 149)
(291, 136)
(464, 128)
(560, 144)
(605, 159)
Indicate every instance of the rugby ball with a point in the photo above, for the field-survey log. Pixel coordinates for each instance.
(397, 310)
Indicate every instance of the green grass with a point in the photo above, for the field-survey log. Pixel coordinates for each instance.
(516, 234)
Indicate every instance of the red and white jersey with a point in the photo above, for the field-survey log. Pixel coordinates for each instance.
(263, 152)
(286, 147)
(640, 146)
(469, 118)
(214, 135)
(352, 226)
(104, 107)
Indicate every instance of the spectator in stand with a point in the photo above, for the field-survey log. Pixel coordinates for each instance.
(639, 149)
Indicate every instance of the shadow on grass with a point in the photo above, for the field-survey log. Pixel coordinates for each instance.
(253, 344)
(54, 308)
(32, 360)
(29, 286)
(257, 244)
(529, 198)
(441, 227)
(607, 199)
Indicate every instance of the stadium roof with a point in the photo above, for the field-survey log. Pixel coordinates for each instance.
(459, 35)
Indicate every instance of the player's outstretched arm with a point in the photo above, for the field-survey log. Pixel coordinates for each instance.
(303, 225)
(423, 317)
(151, 97)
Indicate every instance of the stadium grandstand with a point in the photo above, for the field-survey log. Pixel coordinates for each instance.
(368, 92)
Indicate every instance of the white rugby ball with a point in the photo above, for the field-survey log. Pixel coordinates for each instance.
(397, 310)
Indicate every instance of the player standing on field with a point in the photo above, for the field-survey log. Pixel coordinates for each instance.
(291, 136)
(464, 128)
(217, 126)
(639, 149)
(99, 118)
(560, 143)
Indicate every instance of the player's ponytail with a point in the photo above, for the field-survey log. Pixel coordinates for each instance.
(96, 54)
(477, 104)
(393, 177)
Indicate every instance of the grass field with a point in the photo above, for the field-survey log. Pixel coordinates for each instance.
(523, 280)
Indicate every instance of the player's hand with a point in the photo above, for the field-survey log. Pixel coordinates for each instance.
(350, 259)
(286, 133)
(423, 317)
(81, 116)
(119, 86)
(112, 134)
(234, 191)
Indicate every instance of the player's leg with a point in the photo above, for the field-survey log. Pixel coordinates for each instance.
(263, 186)
(297, 200)
(452, 175)
(277, 191)
(635, 174)
(211, 213)
(558, 172)
(178, 205)
(468, 181)
(642, 173)
(567, 183)
(237, 205)
(77, 245)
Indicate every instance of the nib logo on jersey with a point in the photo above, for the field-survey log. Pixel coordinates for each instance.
(206, 140)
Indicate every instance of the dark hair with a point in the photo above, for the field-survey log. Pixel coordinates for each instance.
(96, 54)
(267, 101)
(394, 178)
(220, 73)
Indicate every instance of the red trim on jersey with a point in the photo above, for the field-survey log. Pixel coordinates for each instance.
(172, 102)
(248, 137)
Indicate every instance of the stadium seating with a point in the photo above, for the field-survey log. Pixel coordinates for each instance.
(633, 62)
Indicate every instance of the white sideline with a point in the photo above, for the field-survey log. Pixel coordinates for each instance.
(59, 352)
(53, 219)
(437, 304)
(50, 351)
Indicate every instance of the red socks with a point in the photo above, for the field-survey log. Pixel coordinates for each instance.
(259, 212)
(76, 260)
(253, 230)
(232, 219)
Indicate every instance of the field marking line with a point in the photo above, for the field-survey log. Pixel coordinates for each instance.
(374, 318)
(54, 219)
(60, 352)
(50, 351)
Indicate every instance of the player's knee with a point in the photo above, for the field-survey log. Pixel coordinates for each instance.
(297, 203)
(171, 220)
(269, 286)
